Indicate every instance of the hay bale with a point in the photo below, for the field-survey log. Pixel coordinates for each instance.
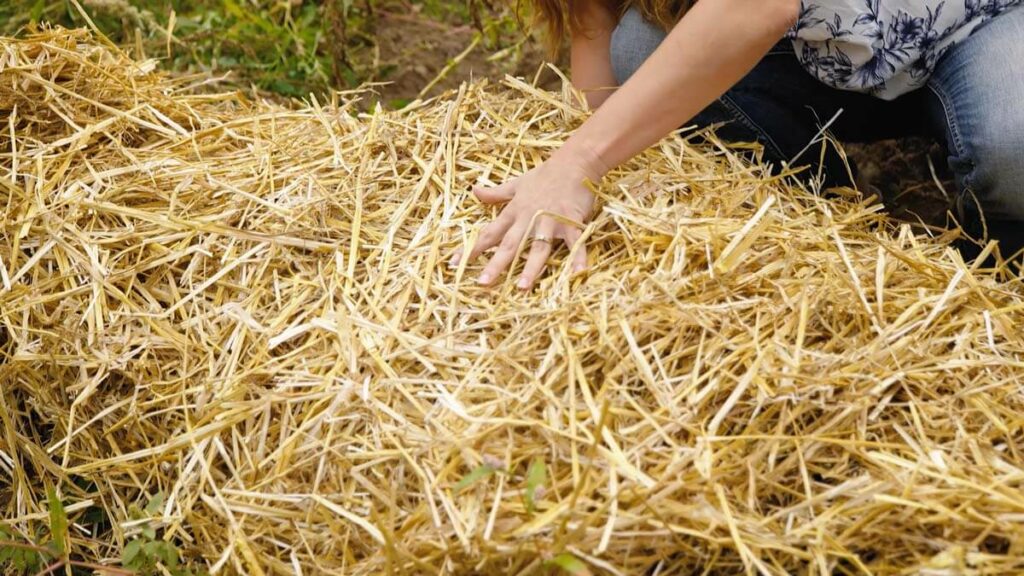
(243, 306)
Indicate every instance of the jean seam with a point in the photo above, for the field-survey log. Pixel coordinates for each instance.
(951, 122)
(957, 141)
(742, 117)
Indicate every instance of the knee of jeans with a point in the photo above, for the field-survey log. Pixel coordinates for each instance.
(633, 41)
(993, 171)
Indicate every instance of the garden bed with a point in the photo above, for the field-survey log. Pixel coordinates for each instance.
(244, 308)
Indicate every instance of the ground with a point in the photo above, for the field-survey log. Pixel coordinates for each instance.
(902, 172)
(414, 48)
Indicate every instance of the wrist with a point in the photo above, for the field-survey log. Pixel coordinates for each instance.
(584, 157)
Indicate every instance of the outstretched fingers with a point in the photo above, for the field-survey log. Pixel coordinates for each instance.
(540, 249)
(493, 232)
(497, 194)
(507, 235)
(507, 231)
(571, 236)
(488, 238)
(504, 255)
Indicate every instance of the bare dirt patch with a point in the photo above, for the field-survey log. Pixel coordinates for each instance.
(911, 175)
(414, 49)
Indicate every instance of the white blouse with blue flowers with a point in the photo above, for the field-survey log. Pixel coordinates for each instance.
(886, 48)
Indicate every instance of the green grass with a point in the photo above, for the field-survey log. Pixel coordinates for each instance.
(289, 47)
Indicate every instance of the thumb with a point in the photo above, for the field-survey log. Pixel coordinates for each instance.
(495, 195)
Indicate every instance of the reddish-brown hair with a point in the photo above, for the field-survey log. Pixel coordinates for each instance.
(563, 17)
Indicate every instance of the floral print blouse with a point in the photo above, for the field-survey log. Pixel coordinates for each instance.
(886, 48)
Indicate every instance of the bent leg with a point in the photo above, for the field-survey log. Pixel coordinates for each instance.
(779, 104)
(979, 104)
(633, 41)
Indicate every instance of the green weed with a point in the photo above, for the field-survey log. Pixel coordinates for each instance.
(289, 47)
(48, 550)
(146, 554)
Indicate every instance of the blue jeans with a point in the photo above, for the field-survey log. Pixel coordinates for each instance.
(974, 102)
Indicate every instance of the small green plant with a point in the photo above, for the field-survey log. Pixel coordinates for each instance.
(536, 477)
(48, 551)
(18, 554)
(533, 485)
(147, 555)
(58, 523)
(569, 564)
(42, 554)
(28, 556)
(144, 556)
(475, 475)
(534, 489)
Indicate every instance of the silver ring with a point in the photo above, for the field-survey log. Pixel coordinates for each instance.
(542, 238)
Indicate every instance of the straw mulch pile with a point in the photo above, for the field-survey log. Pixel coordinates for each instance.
(245, 306)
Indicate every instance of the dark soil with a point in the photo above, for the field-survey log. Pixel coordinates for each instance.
(414, 50)
(901, 172)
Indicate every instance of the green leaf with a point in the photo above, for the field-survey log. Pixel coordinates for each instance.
(398, 103)
(536, 477)
(21, 563)
(284, 87)
(130, 552)
(168, 555)
(134, 512)
(570, 564)
(155, 503)
(26, 561)
(37, 11)
(152, 549)
(148, 532)
(58, 521)
(479, 473)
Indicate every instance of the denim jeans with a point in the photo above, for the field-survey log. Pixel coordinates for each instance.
(974, 102)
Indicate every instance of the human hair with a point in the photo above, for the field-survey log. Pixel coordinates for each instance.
(561, 18)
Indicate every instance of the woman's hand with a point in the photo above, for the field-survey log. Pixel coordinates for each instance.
(707, 52)
(559, 187)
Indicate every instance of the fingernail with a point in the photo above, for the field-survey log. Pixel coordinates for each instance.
(578, 268)
(523, 283)
(484, 278)
(454, 262)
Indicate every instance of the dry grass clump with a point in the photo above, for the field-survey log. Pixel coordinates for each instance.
(245, 306)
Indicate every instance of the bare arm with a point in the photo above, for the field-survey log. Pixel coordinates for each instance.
(590, 53)
(709, 51)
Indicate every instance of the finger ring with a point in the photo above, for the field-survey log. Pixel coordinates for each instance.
(542, 238)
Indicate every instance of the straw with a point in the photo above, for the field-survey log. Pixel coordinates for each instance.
(247, 307)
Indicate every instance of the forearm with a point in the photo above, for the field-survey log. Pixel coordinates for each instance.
(710, 50)
(590, 55)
